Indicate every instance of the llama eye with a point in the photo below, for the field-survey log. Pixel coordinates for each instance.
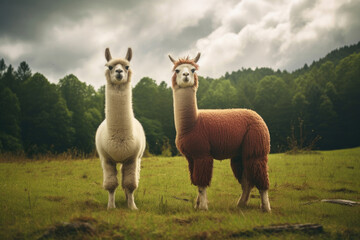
(177, 70)
(110, 68)
(193, 70)
(127, 67)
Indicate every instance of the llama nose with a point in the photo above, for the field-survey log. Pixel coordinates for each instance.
(119, 71)
(186, 74)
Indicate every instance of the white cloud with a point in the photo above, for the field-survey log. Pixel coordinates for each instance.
(277, 34)
(13, 50)
(230, 34)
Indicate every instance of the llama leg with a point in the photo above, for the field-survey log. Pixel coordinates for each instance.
(246, 189)
(130, 180)
(201, 177)
(191, 166)
(265, 203)
(257, 169)
(237, 168)
(110, 181)
(201, 200)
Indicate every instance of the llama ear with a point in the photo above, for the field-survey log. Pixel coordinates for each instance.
(196, 59)
(171, 59)
(129, 54)
(107, 54)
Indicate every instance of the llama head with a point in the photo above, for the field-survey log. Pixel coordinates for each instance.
(185, 72)
(118, 69)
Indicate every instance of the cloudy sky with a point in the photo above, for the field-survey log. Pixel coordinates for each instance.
(57, 38)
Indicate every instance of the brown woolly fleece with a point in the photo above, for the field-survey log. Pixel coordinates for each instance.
(204, 135)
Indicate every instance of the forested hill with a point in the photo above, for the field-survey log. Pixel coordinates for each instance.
(334, 56)
(316, 106)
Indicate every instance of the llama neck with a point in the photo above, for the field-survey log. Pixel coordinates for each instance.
(185, 109)
(118, 110)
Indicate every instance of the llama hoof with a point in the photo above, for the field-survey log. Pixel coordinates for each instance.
(201, 200)
(201, 206)
(111, 200)
(109, 207)
(133, 208)
(266, 209)
(265, 204)
(241, 205)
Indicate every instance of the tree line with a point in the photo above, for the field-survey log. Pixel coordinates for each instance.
(317, 104)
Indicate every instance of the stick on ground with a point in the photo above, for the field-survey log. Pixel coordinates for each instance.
(307, 227)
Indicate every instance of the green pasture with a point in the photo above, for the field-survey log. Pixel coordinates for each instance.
(36, 196)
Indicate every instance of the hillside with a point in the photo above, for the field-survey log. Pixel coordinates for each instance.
(313, 107)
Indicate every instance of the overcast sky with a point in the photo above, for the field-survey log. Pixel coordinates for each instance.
(57, 38)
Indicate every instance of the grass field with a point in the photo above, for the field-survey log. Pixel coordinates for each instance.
(37, 196)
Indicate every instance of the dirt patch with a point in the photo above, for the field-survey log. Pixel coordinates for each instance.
(83, 227)
(202, 235)
(188, 221)
(296, 187)
(185, 221)
(342, 190)
(70, 230)
(84, 219)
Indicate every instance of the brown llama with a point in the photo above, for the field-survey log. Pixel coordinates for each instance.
(204, 135)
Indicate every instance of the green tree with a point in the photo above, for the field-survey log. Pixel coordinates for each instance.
(243, 101)
(86, 107)
(221, 94)
(46, 121)
(273, 103)
(325, 74)
(313, 102)
(2, 67)
(153, 108)
(347, 84)
(145, 99)
(100, 99)
(154, 134)
(204, 84)
(9, 80)
(166, 116)
(23, 72)
(10, 138)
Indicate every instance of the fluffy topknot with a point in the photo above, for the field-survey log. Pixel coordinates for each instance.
(186, 60)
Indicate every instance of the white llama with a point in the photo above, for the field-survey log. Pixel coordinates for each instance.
(120, 138)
